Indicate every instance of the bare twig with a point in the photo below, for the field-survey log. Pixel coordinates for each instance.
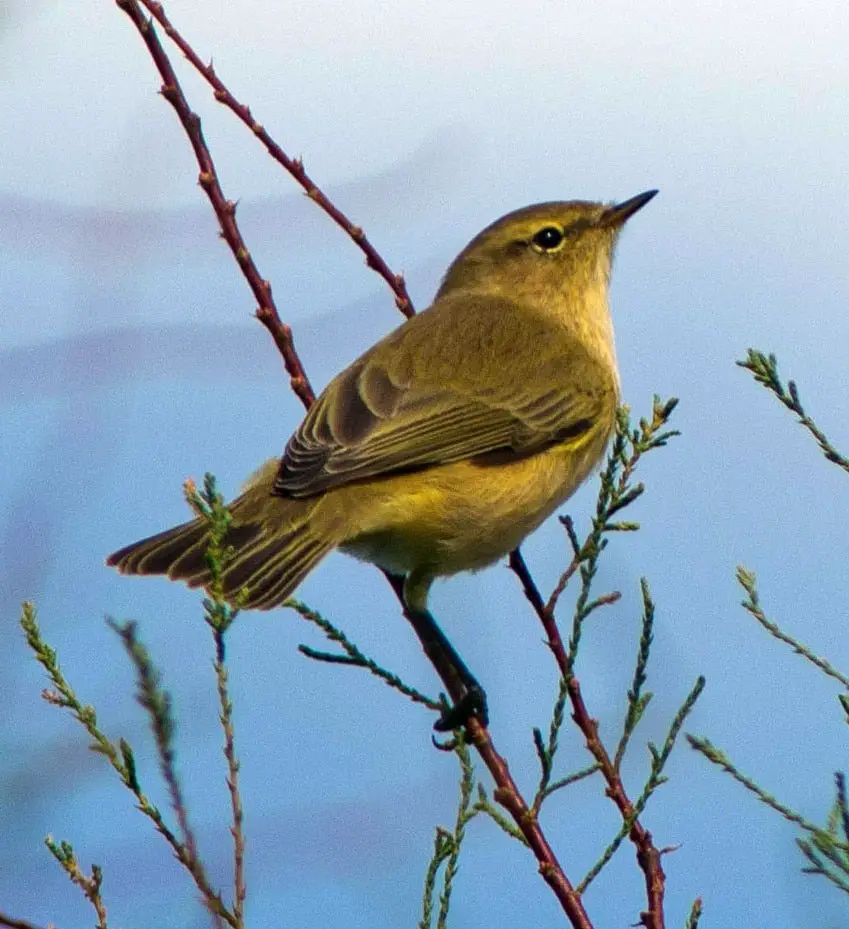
(507, 794)
(648, 856)
(553, 638)
(294, 166)
(225, 210)
(655, 780)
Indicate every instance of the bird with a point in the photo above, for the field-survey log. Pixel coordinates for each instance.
(445, 444)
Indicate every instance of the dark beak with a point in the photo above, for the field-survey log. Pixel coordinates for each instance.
(617, 214)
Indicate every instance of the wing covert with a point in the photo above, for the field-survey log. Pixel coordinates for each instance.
(425, 396)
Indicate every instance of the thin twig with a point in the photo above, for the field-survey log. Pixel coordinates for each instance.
(637, 700)
(765, 370)
(220, 614)
(225, 210)
(547, 752)
(546, 616)
(570, 779)
(90, 885)
(615, 494)
(647, 855)
(465, 812)
(695, 914)
(751, 604)
(157, 703)
(721, 760)
(237, 829)
(507, 794)
(562, 583)
(841, 804)
(353, 655)
(120, 757)
(294, 166)
(484, 805)
(656, 779)
(818, 866)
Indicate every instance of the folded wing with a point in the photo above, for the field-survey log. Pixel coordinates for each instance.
(466, 377)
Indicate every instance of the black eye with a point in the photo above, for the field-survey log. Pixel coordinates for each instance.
(548, 238)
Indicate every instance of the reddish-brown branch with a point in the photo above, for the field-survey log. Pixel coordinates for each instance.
(507, 794)
(546, 616)
(648, 856)
(561, 585)
(225, 210)
(294, 166)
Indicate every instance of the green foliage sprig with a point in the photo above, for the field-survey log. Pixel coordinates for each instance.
(826, 848)
(764, 368)
(156, 702)
(447, 844)
(617, 491)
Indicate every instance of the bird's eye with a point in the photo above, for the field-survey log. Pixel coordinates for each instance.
(548, 239)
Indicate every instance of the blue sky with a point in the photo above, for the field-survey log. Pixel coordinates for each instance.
(425, 121)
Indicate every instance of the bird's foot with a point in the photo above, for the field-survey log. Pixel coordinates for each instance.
(472, 703)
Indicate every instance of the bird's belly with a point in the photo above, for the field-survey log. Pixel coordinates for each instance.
(465, 515)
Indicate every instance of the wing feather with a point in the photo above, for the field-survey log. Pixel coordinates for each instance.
(438, 390)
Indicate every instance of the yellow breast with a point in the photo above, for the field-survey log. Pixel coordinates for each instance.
(464, 515)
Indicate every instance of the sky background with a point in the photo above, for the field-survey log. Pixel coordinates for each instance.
(129, 360)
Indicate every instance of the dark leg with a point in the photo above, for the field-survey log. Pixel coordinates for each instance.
(468, 695)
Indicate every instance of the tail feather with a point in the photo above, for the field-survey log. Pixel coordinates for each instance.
(156, 554)
(189, 564)
(275, 570)
(270, 563)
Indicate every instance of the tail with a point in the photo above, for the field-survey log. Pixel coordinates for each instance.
(275, 548)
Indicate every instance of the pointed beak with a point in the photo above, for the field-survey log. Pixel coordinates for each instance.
(617, 214)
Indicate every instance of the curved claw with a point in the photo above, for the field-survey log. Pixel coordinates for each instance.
(447, 746)
(472, 703)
